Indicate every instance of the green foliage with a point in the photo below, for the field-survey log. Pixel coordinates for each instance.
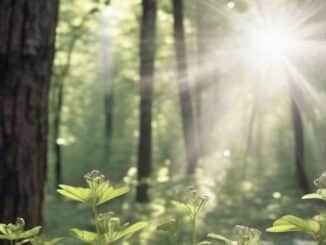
(99, 190)
(315, 227)
(108, 227)
(192, 207)
(16, 234)
(245, 236)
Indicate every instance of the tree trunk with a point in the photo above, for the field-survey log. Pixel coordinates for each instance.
(106, 53)
(57, 126)
(58, 96)
(201, 76)
(27, 35)
(298, 130)
(187, 113)
(147, 64)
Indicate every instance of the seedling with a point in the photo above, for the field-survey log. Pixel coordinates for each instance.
(108, 227)
(315, 227)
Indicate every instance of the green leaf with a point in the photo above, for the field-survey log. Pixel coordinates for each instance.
(21, 235)
(3, 229)
(204, 243)
(79, 194)
(320, 195)
(105, 193)
(131, 230)
(220, 238)
(291, 223)
(86, 236)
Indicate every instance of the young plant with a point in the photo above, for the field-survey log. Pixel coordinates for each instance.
(17, 235)
(100, 191)
(315, 227)
(192, 207)
(245, 236)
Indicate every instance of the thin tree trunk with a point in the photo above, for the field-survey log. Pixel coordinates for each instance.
(109, 105)
(106, 52)
(27, 35)
(201, 76)
(57, 144)
(58, 93)
(147, 66)
(187, 113)
(298, 131)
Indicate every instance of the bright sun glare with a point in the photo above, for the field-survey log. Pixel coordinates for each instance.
(272, 43)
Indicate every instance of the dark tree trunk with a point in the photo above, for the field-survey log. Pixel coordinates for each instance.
(27, 35)
(57, 144)
(299, 156)
(109, 105)
(147, 66)
(187, 113)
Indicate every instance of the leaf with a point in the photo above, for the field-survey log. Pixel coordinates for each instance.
(21, 235)
(79, 194)
(3, 229)
(320, 194)
(132, 229)
(105, 193)
(86, 236)
(220, 238)
(290, 223)
(204, 243)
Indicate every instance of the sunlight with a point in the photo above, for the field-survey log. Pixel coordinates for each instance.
(270, 44)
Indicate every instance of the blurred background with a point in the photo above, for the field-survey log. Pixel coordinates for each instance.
(225, 96)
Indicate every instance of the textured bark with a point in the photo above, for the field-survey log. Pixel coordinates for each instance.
(27, 34)
(147, 60)
(187, 112)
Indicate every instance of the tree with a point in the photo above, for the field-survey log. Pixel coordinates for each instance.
(187, 112)
(57, 91)
(201, 76)
(27, 37)
(298, 137)
(147, 64)
(106, 67)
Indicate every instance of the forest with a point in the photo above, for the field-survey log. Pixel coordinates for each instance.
(163, 122)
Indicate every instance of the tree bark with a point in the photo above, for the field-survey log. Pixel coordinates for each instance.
(27, 36)
(187, 112)
(147, 66)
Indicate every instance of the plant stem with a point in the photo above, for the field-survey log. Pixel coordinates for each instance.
(95, 213)
(194, 230)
